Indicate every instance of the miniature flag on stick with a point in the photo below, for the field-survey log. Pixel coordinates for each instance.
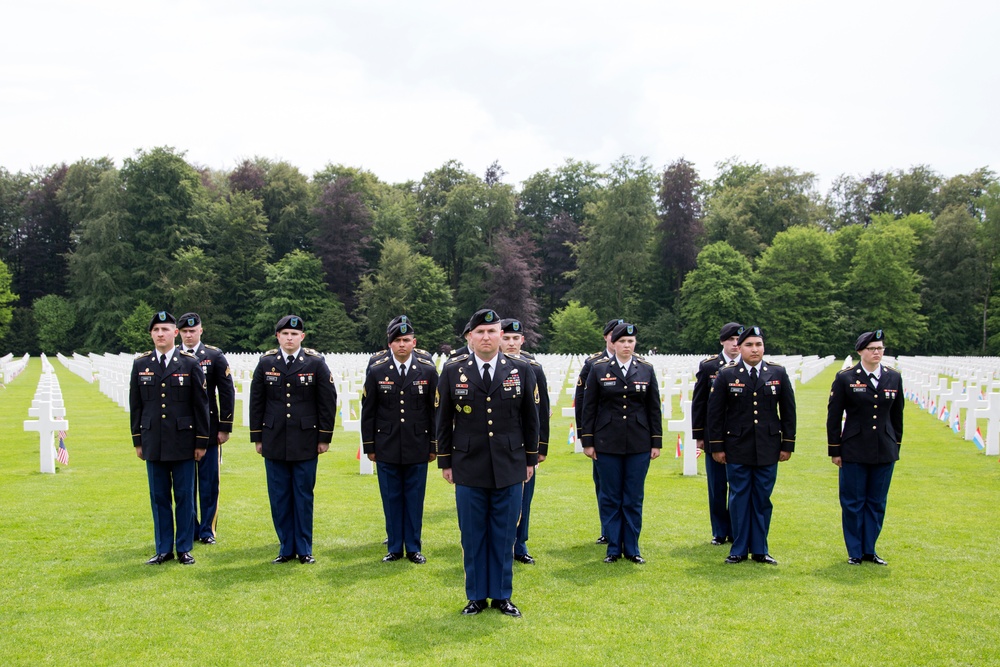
(359, 453)
(956, 425)
(62, 454)
(977, 439)
(572, 435)
(680, 447)
(943, 412)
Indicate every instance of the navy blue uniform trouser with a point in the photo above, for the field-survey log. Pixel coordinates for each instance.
(207, 493)
(402, 488)
(750, 506)
(718, 498)
(487, 519)
(176, 477)
(863, 491)
(623, 483)
(290, 487)
(520, 543)
(597, 492)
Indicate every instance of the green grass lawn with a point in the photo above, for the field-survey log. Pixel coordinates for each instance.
(74, 589)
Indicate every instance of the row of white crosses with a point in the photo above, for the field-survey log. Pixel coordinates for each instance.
(79, 365)
(10, 367)
(974, 387)
(50, 416)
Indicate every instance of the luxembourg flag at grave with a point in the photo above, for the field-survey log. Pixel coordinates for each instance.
(955, 423)
(943, 413)
(680, 447)
(977, 439)
(572, 435)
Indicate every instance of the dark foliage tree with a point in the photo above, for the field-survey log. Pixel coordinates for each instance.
(343, 238)
(47, 243)
(511, 279)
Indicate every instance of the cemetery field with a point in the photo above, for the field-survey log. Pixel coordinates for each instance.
(74, 589)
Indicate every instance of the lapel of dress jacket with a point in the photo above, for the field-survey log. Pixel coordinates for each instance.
(619, 373)
(411, 370)
(471, 370)
(171, 368)
(296, 365)
(765, 374)
(505, 371)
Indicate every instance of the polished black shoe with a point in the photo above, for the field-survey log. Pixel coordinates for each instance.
(307, 559)
(718, 541)
(391, 556)
(207, 540)
(854, 561)
(873, 558)
(474, 607)
(416, 557)
(185, 558)
(733, 560)
(506, 607)
(601, 540)
(283, 559)
(637, 559)
(764, 558)
(524, 558)
(612, 559)
(160, 559)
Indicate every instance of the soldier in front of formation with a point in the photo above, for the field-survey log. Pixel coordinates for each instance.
(397, 433)
(750, 427)
(293, 406)
(868, 397)
(168, 411)
(218, 380)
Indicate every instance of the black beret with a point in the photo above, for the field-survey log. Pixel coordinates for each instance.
(290, 322)
(484, 316)
(510, 325)
(868, 337)
(729, 330)
(610, 326)
(162, 317)
(396, 320)
(747, 332)
(401, 328)
(188, 320)
(623, 329)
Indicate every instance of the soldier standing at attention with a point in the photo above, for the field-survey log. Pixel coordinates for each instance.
(168, 409)
(718, 489)
(397, 433)
(293, 405)
(750, 428)
(218, 379)
(487, 433)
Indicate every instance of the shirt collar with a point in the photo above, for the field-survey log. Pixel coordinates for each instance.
(284, 355)
(492, 362)
(759, 366)
(408, 362)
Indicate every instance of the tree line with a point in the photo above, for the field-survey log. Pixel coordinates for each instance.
(90, 251)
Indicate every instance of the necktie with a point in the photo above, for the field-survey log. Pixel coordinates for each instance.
(753, 376)
(402, 371)
(486, 375)
(289, 360)
(163, 361)
(873, 379)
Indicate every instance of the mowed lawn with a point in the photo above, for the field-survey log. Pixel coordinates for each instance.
(74, 589)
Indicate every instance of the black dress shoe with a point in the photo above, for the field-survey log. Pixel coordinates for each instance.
(506, 607)
(160, 559)
(185, 558)
(474, 607)
(854, 561)
(601, 540)
(612, 559)
(207, 540)
(873, 558)
(733, 560)
(391, 556)
(764, 558)
(283, 559)
(524, 558)
(718, 541)
(307, 559)
(416, 557)
(637, 559)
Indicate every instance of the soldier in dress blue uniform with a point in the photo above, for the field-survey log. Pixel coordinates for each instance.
(386, 353)
(606, 353)
(293, 405)
(718, 490)
(866, 447)
(168, 409)
(397, 433)
(622, 431)
(218, 379)
(511, 341)
(487, 433)
(750, 428)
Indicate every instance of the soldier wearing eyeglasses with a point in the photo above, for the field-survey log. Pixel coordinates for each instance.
(864, 426)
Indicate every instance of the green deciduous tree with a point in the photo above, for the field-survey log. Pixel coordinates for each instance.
(797, 296)
(55, 319)
(575, 330)
(7, 299)
(718, 290)
(133, 332)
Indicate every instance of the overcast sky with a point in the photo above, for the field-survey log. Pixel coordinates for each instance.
(400, 87)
